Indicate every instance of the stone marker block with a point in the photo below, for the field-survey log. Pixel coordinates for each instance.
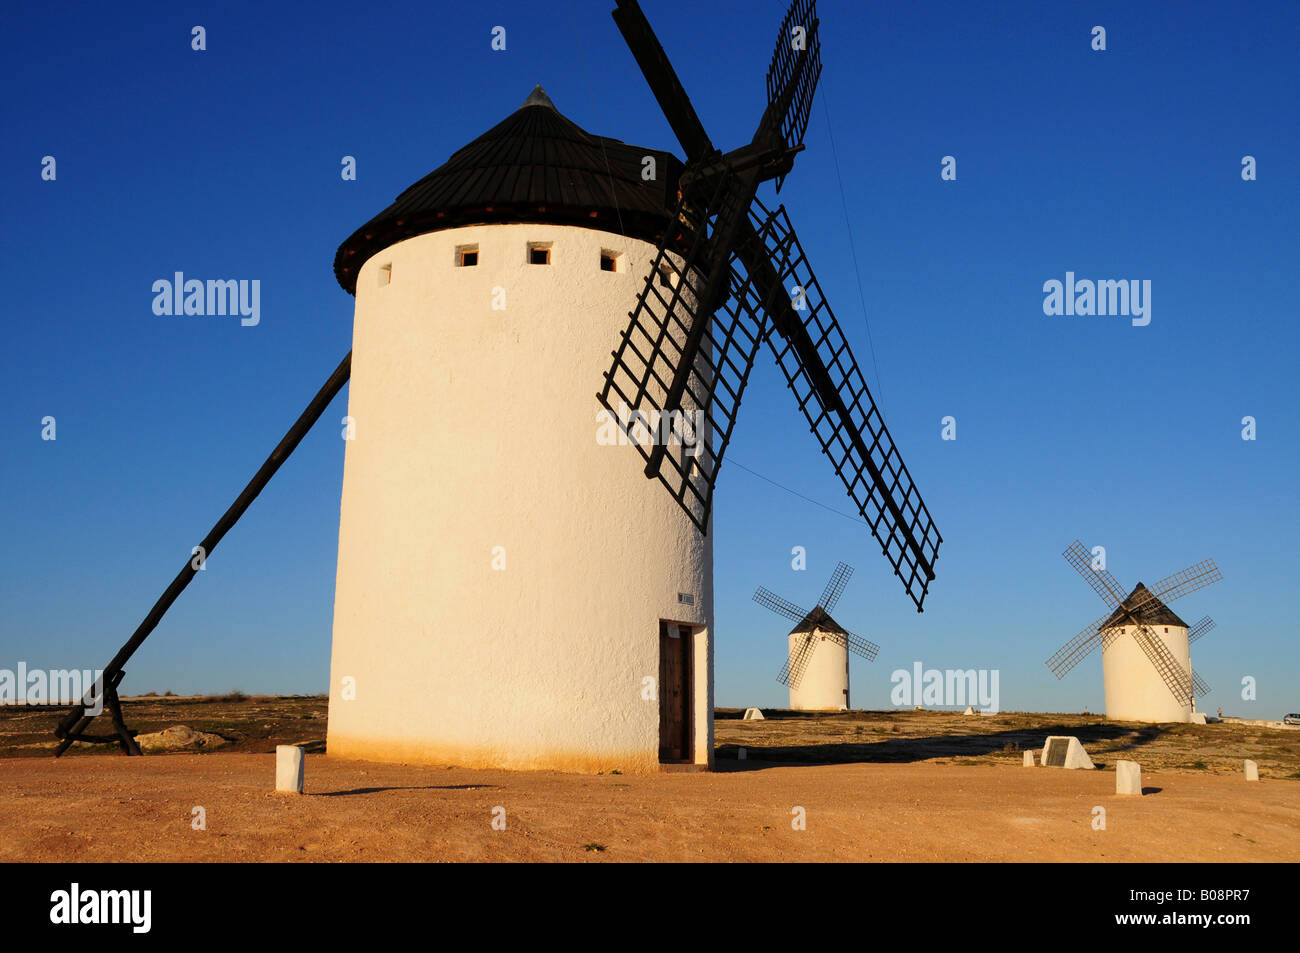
(1029, 759)
(1065, 751)
(1198, 718)
(741, 754)
(1128, 777)
(1252, 771)
(289, 761)
(753, 714)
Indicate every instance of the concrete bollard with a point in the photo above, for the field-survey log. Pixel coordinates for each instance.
(1029, 759)
(1128, 777)
(1252, 771)
(289, 761)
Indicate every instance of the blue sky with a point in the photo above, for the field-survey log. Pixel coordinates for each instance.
(1117, 164)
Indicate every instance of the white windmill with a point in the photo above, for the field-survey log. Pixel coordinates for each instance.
(1146, 647)
(817, 666)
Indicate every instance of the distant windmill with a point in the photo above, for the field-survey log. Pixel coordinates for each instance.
(817, 667)
(1146, 660)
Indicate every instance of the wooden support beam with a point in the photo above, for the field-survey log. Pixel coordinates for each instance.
(76, 720)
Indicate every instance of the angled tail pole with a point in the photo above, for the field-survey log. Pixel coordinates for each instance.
(72, 726)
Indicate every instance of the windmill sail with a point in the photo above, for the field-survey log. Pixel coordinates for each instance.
(679, 361)
(769, 599)
(820, 369)
(793, 74)
(835, 587)
(762, 248)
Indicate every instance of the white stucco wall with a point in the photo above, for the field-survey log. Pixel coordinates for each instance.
(825, 681)
(475, 429)
(1134, 689)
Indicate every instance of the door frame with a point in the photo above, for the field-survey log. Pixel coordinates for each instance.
(686, 631)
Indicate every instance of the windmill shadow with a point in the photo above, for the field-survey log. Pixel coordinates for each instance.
(410, 787)
(913, 749)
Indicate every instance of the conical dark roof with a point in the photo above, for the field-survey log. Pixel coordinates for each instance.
(533, 166)
(818, 618)
(1153, 612)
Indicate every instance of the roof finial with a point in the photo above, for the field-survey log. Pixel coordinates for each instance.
(538, 97)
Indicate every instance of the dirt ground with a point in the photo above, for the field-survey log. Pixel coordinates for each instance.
(872, 785)
(892, 785)
(109, 809)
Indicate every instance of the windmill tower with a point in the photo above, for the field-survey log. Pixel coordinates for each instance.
(1146, 647)
(505, 581)
(547, 328)
(817, 666)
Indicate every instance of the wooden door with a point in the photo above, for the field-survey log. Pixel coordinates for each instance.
(675, 644)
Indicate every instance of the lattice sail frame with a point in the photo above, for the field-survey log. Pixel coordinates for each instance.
(770, 600)
(1176, 678)
(792, 671)
(793, 74)
(651, 350)
(835, 587)
(883, 473)
(663, 342)
(1200, 628)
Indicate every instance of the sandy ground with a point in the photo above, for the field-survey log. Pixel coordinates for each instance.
(107, 809)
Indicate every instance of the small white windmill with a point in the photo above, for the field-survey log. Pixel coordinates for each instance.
(817, 667)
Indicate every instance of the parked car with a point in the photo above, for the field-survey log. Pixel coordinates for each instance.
(1291, 719)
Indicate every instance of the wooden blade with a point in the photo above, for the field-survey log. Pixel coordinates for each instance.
(835, 588)
(1167, 667)
(1199, 687)
(792, 671)
(859, 646)
(1077, 649)
(684, 360)
(820, 369)
(792, 77)
(1190, 579)
(1200, 628)
(662, 79)
(1102, 582)
(770, 600)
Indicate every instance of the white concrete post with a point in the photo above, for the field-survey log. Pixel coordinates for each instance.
(1128, 777)
(289, 761)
